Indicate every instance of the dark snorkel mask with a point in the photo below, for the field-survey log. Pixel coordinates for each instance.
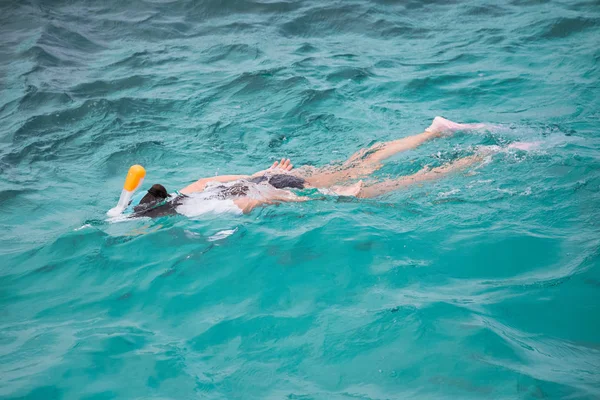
(153, 203)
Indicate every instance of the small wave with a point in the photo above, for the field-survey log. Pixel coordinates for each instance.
(406, 30)
(39, 100)
(41, 57)
(63, 39)
(39, 126)
(9, 195)
(350, 73)
(212, 9)
(306, 48)
(251, 81)
(559, 358)
(233, 53)
(564, 27)
(321, 21)
(146, 59)
(311, 98)
(484, 10)
(101, 88)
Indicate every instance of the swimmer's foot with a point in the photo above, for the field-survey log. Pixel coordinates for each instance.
(445, 126)
(351, 190)
(484, 151)
(526, 146)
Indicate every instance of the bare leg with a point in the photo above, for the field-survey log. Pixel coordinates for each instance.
(425, 174)
(380, 151)
(366, 161)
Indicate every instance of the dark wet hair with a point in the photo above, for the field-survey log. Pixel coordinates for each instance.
(281, 181)
(155, 195)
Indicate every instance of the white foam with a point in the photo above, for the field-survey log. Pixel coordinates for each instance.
(448, 193)
(222, 235)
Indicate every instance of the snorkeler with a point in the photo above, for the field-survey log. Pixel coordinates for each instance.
(243, 193)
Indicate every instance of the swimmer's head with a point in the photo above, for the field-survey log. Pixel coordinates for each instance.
(156, 194)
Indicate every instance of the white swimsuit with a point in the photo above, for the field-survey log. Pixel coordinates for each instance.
(217, 197)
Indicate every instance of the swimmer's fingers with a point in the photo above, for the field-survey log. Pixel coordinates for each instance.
(287, 165)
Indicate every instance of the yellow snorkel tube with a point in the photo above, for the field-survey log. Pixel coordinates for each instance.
(133, 181)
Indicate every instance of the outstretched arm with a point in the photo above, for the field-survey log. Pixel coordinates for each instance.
(200, 184)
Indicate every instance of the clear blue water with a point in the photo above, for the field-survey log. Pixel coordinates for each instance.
(481, 285)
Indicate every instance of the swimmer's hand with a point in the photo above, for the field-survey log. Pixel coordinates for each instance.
(278, 166)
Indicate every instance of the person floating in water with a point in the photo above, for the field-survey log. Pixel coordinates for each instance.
(243, 193)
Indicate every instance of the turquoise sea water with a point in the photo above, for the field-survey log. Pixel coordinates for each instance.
(481, 285)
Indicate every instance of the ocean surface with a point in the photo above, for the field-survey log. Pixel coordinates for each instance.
(481, 285)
